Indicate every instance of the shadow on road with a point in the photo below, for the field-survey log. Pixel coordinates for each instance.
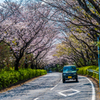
(71, 82)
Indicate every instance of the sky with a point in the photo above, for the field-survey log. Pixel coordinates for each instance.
(1, 1)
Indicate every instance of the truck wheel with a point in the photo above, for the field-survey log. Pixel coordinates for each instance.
(77, 79)
(63, 80)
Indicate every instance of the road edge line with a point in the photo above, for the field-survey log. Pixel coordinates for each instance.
(93, 89)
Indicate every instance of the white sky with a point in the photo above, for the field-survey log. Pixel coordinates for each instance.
(1, 1)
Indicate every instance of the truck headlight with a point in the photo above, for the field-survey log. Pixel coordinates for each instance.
(74, 73)
(64, 74)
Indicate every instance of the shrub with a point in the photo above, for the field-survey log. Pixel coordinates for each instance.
(11, 77)
(84, 71)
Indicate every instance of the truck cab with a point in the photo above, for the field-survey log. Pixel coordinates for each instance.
(69, 72)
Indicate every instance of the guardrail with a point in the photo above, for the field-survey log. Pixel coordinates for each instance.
(93, 71)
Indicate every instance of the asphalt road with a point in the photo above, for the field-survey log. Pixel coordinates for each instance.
(50, 87)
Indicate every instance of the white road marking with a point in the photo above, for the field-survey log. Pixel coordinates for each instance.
(73, 93)
(61, 93)
(53, 87)
(36, 98)
(93, 89)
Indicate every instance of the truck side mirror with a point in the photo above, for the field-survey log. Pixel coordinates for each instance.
(77, 69)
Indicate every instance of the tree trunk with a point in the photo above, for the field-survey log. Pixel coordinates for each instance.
(32, 67)
(84, 60)
(26, 66)
(16, 64)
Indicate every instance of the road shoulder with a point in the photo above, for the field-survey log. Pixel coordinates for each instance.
(96, 85)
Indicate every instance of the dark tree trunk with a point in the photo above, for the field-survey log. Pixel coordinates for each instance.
(16, 64)
(84, 60)
(35, 66)
(32, 67)
(26, 66)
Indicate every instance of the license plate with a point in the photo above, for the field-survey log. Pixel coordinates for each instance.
(69, 76)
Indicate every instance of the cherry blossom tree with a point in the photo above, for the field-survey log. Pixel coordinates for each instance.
(27, 31)
(80, 17)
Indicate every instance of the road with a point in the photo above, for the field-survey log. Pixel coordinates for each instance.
(50, 87)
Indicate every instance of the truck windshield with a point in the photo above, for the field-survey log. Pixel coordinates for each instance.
(69, 68)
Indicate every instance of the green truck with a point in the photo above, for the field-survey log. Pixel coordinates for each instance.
(69, 72)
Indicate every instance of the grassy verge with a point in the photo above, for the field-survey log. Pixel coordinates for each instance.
(84, 71)
(8, 78)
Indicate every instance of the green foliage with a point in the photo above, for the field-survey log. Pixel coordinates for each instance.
(84, 71)
(8, 78)
(6, 57)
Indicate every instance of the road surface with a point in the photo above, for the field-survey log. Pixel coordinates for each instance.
(50, 87)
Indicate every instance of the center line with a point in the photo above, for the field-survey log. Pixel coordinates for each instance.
(53, 87)
(36, 98)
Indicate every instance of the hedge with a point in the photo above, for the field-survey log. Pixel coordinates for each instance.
(8, 78)
(84, 71)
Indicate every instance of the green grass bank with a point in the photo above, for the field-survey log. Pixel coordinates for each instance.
(90, 71)
(11, 77)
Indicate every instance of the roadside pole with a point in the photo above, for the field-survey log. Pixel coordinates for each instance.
(99, 60)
